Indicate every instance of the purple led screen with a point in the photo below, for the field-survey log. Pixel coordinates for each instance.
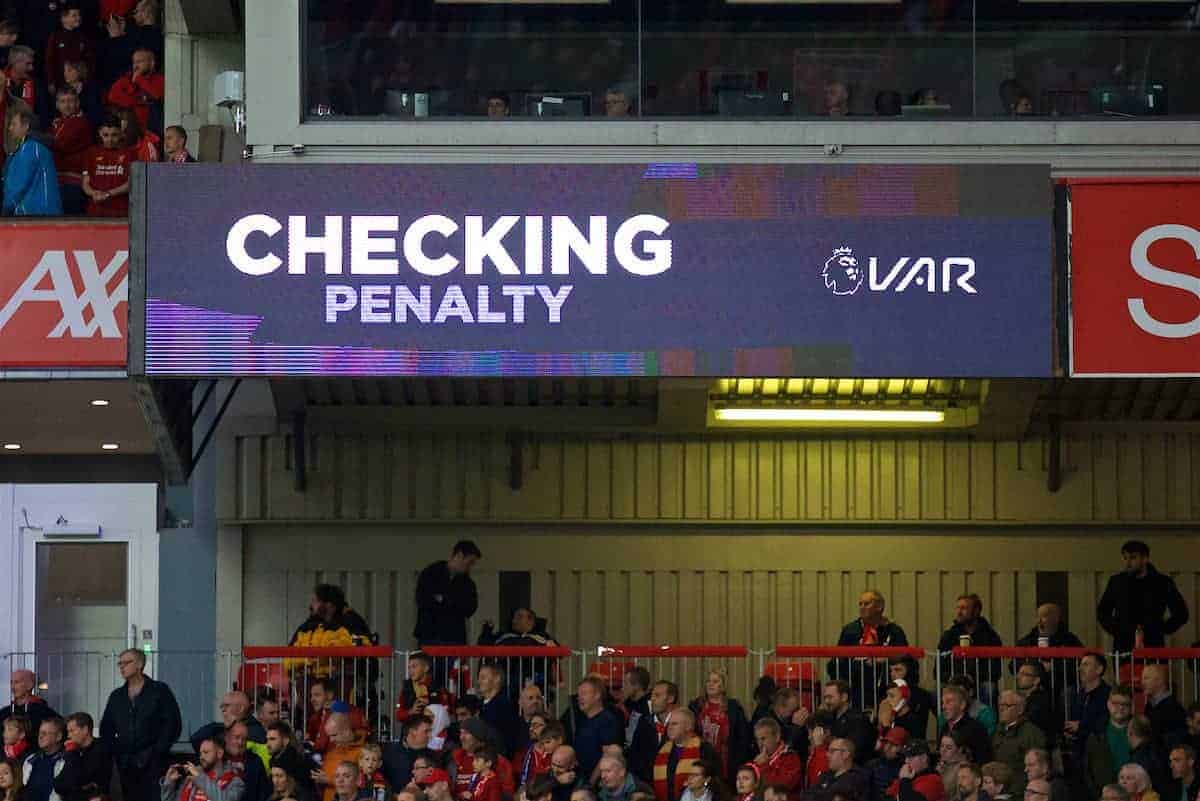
(628, 269)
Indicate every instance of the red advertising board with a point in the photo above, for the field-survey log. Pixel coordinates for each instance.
(1135, 277)
(64, 289)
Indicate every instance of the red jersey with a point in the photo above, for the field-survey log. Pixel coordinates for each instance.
(714, 729)
(106, 170)
(25, 90)
(486, 788)
(818, 763)
(146, 148)
(72, 141)
(464, 763)
(784, 767)
(138, 92)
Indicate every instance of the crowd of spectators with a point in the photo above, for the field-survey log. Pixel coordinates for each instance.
(81, 96)
(632, 737)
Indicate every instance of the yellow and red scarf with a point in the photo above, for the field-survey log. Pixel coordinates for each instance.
(689, 754)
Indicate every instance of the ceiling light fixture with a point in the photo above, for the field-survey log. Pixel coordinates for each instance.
(12, 446)
(824, 415)
(109, 446)
(99, 402)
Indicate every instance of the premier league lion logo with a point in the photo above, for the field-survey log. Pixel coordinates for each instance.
(841, 272)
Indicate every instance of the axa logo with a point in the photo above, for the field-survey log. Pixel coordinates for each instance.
(1139, 259)
(84, 314)
(844, 274)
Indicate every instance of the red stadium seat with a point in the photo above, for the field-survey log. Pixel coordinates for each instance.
(613, 673)
(258, 675)
(791, 674)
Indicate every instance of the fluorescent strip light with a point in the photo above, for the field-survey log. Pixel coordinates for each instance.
(522, 2)
(813, 2)
(799, 415)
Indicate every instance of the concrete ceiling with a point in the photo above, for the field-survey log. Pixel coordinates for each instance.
(56, 418)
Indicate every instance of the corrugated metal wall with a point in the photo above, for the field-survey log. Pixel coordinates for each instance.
(464, 476)
(660, 539)
(601, 584)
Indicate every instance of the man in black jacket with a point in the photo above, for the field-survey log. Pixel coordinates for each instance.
(398, 757)
(1167, 716)
(1140, 599)
(641, 738)
(446, 597)
(848, 723)
(1185, 779)
(969, 623)
(87, 771)
(140, 724)
(843, 778)
(954, 710)
(872, 629)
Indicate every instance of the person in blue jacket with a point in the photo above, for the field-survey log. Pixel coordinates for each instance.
(30, 180)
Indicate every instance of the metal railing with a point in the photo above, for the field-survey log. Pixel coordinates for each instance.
(370, 682)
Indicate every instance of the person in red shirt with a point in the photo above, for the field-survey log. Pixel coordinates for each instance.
(143, 145)
(721, 722)
(322, 696)
(820, 732)
(485, 784)
(21, 82)
(70, 43)
(779, 764)
(106, 173)
(140, 89)
(73, 137)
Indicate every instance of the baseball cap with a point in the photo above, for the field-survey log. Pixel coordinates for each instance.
(896, 736)
(916, 748)
(436, 775)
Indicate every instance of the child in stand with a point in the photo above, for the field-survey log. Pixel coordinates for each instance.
(485, 784)
(16, 738)
(370, 778)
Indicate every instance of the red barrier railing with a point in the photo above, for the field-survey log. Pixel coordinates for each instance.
(674, 651)
(316, 652)
(495, 651)
(847, 651)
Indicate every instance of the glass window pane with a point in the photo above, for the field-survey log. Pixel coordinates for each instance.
(713, 57)
(407, 59)
(1089, 59)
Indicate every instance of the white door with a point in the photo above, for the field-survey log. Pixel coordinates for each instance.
(82, 598)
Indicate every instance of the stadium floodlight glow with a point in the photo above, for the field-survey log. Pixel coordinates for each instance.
(12, 446)
(99, 402)
(796, 414)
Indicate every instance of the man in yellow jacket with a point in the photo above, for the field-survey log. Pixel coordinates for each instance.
(331, 623)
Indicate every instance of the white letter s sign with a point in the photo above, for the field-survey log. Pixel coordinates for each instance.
(1139, 259)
